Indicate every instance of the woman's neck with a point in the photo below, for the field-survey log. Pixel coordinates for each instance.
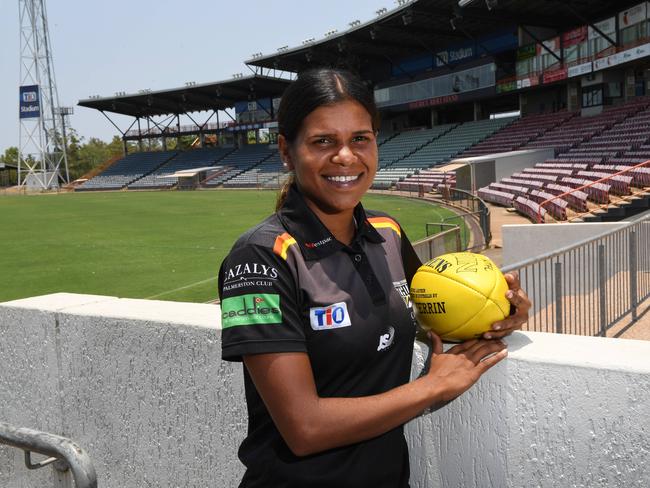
(340, 224)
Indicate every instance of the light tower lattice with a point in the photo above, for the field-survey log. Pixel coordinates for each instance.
(42, 159)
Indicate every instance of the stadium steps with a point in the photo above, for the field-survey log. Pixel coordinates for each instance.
(153, 170)
(243, 170)
(96, 170)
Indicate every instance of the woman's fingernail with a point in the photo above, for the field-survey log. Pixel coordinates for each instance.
(488, 336)
(496, 327)
(509, 294)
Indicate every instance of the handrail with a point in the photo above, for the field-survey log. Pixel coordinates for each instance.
(592, 183)
(570, 247)
(59, 448)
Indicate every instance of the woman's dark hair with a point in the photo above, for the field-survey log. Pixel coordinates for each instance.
(317, 88)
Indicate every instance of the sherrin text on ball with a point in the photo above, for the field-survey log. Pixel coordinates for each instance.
(459, 295)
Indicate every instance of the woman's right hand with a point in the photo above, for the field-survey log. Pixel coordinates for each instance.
(457, 369)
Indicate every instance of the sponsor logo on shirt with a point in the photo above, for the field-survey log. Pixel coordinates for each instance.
(312, 245)
(402, 288)
(252, 309)
(333, 316)
(386, 340)
(249, 274)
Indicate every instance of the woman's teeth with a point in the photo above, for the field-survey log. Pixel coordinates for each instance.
(342, 179)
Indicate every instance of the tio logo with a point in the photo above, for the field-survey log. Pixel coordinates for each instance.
(29, 96)
(331, 317)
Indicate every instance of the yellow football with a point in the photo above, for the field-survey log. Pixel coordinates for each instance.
(459, 295)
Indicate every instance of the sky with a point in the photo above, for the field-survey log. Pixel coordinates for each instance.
(100, 48)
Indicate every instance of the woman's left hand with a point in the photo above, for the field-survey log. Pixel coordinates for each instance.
(516, 320)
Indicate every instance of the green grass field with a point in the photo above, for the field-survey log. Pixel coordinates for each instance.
(163, 245)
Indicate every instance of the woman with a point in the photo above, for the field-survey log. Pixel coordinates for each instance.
(315, 302)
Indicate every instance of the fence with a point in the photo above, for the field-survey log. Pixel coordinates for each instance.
(588, 287)
(476, 209)
(441, 243)
(64, 453)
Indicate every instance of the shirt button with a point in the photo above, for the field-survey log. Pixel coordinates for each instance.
(357, 258)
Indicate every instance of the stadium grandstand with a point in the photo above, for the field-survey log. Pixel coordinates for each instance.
(453, 80)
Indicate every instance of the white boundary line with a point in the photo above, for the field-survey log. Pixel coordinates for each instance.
(191, 285)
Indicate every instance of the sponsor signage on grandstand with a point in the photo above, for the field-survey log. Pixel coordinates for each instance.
(507, 85)
(30, 105)
(580, 69)
(553, 75)
(631, 16)
(574, 37)
(623, 57)
(454, 55)
(527, 82)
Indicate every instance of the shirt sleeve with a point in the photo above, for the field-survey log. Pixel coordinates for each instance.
(259, 304)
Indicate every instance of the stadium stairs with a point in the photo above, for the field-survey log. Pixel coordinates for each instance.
(185, 160)
(588, 149)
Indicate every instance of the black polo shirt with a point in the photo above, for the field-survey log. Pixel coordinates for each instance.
(289, 286)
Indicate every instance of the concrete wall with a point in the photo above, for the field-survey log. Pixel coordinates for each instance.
(140, 385)
(480, 171)
(523, 242)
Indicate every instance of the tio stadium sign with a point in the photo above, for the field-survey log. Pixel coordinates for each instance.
(30, 106)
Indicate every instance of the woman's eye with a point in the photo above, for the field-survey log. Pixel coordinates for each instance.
(360, 139)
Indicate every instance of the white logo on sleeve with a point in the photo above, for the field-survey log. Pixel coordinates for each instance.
(331, 317)
(385, 340)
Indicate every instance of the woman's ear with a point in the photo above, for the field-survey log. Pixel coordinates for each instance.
(285, 156)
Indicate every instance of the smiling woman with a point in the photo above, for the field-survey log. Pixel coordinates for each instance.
(315, 302)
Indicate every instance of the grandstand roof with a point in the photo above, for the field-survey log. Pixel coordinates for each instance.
(423, 27)
(192, 98)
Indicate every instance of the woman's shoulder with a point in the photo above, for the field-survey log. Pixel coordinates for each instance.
(263, 234)
(382, 220)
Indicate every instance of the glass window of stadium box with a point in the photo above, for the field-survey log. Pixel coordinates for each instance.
(550, 61)
(527, 61)
(575, 46)
(592, 96)
(632, 24)
(599, 45)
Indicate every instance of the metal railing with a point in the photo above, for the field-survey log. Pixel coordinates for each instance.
(64, 453)
(588, 287)
(437, 244)
(476, 209)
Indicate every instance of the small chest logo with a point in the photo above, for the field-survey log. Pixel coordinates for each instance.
(333, 316)
(386, 340)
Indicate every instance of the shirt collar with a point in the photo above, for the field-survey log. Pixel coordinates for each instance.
(314, 239)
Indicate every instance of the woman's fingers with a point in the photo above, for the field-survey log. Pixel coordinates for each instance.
(436, 342)
(519, 300)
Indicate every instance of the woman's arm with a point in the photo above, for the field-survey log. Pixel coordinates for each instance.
(310, 424)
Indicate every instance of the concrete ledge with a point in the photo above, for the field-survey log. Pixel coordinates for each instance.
(141, 385)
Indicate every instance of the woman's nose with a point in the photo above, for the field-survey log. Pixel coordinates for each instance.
(344, 156)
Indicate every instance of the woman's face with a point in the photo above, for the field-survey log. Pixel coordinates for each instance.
(334, 157)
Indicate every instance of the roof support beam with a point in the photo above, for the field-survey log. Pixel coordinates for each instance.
(527, 31)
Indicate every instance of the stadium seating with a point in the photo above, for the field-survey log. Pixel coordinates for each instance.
(269, 171)
(430, 148)
(127, 170)
(239, 161)
(518, 133)
(185, 160)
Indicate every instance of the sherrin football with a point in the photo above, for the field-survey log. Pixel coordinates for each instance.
(459, 295)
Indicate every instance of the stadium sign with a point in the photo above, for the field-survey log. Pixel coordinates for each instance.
(580, 69)
(30, 106)
(623, 57)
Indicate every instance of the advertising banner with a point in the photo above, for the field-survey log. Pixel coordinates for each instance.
(30, 105)
(526, 52)
(579, 69)
(555, 75)
(623, 57)
(632, 15)
(575, 36)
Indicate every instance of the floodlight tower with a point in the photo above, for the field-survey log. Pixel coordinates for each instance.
(41, 150)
